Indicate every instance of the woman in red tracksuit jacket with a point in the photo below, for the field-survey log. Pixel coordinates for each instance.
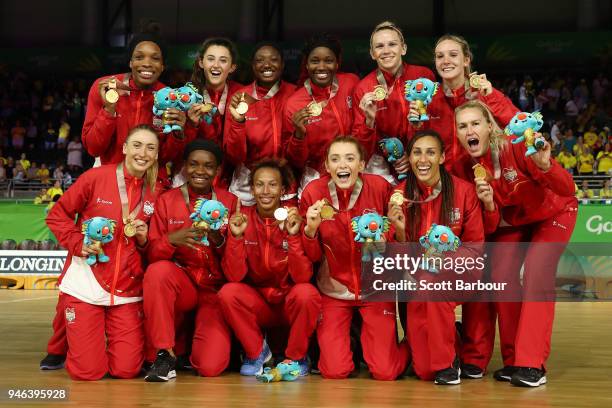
(320, 110)
(535, 200)
(103, 302)
(331, 242)
(256, 134)
(268, 273)
(375, 120)
(107, 122)
(445, 200)
(184, 275)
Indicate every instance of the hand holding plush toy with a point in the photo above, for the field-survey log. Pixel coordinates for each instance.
(209, 215)
(524, 125)
(393, 150)
(438, 240)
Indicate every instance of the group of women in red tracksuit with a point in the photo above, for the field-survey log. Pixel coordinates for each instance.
(283, 162)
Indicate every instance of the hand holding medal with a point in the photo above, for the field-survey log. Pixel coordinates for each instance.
(480, 83)
(315, 214)
(484, 191)
(293, 220)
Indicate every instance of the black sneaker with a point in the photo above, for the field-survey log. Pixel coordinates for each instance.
(505, 374)
(528, 377)
(52, 362)
(183, 363)
(449, 376)
(471, 371)
(163, 369)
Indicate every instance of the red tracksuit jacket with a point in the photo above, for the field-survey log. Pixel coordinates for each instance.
(466, 215)
(202, 266)
(524, 193)
(95, 194)
(259, 136)
(392, 113)
(266, 257)
(336, 120)
(335, 238)
(103, 135)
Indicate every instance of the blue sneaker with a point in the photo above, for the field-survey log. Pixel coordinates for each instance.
(253, 367)
(304, 364)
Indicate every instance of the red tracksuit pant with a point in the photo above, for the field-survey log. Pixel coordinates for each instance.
(525, 328)
(58, 344)
(168, 294)
(386, 359)
(247, 312)
(103, 339)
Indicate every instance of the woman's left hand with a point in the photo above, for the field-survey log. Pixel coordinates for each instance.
(485, 87)
(174, 116)
(142, 230)
(402, 165)
(294, 221)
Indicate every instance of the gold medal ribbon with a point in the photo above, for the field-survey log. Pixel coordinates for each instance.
(332, 92)
(273, 91)
(127, 216)
(434, 194)
(185, 193)
(222, 101)
(354, 195)
(382, 82)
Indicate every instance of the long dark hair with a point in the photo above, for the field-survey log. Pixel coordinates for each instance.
(198, 77)
(413, 193)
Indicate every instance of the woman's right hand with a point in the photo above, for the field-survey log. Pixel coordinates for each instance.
(368, 105)
(313, 218)
(238, 223)
(188, 237)
(299, 121)
(484, 191)
(88, 250)
(103, 86)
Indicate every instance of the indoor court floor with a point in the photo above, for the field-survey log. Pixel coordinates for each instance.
(580, 373)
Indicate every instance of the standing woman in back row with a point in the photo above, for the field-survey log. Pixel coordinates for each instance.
(319, 111)
(375, 119)
(251, 136)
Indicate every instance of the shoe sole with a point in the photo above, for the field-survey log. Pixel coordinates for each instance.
(159, 378)
(523, 383)
(503, 378)
(472, 376)
(50, 367)
(454, 382)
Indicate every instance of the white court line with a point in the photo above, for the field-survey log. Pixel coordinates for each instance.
(27, 300)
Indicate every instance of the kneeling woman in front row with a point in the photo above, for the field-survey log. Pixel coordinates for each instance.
(268, 273)
(331, 241)
(103, 304)
(434, 197)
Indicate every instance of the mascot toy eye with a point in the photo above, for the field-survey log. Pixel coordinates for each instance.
(392, 149)
(524, 125)
(436, 241)
(369, 229)
(421, 91)
(98, 231)
(209, 215)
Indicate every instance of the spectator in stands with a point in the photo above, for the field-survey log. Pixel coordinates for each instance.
(600, 86)
(555, 133)
(31, 135)
(3, 159)
(604, 160)
(567, 160)
(579, 147)
(571, 111)
(569, 139)
(43, 174)
(50, 136)
(32, 171)
(19, 174)
(18, 133)
(591, 137)
(75, 155)
(10, 166)
(58, 173)
(2, 172)
(581, 94)
(606, 191)
(63, 133)
(55, 190)
(585, 161)
(25, 163)
(42, 197)
(585, 191)
(4, 141)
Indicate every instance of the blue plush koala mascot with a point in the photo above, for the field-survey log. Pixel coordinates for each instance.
(209, 215)
(422, 91)
(284, 371)
(163, 99)
(437, 240)
(524, 125)
(369, 229)
(393, 149)
(98, 231)
(188, 96)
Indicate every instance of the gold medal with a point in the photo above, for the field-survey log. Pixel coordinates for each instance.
(206, 107)
(479, 171)
(129, 230)
(379, 93)
(315, 108)
(397, 198)
(111, 95)
(327, 212)
(475, 81)
(242, 107)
